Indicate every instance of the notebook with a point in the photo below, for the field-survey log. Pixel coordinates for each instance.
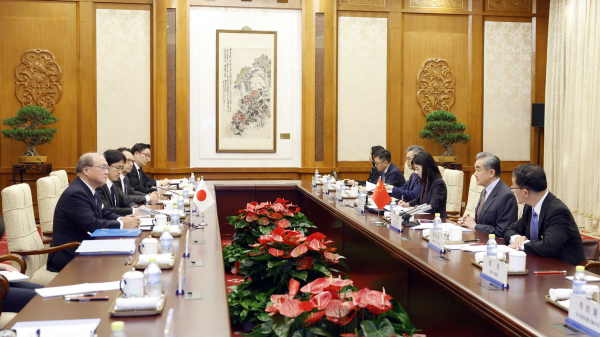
(108, 233)
(14, 276)
(107, 247)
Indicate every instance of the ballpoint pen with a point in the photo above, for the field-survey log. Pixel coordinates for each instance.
(87, 299)
(550, 272)
(81, 295)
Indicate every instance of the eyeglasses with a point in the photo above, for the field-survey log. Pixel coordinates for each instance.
(129, 161)
(104, 167)
(147, 155)
(408, 159)
(518, 188)
(381, 162)
(118, 168)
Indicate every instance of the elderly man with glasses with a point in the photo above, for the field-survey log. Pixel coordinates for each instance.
(111, 195)
(80, 212)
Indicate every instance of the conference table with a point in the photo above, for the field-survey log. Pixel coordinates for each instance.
(443, 297)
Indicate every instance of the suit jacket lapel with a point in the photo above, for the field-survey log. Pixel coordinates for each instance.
(110, 198)
(543, 212)
(91, 196)
(490, 200)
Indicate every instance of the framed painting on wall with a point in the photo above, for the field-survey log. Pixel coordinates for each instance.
(246, 91)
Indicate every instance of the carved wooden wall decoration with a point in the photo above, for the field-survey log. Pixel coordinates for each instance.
(457, 4)
(363, 2)
(509, 5)
(435, 86)
(38, 79)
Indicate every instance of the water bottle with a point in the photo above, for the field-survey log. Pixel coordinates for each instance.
(166, 242)
(180, 200)
(317, 174)
(186, 192)
(175, 215)
(579, 281)
(492, 246)
(192, 178)
(437, 223)
(392, 207)
(152, 272)
(117, 329)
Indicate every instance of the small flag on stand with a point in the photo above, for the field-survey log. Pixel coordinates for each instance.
(380, 196)
(203, 199)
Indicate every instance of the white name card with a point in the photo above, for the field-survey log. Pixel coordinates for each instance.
(360, 205)
(584, 315)
(436, 238)
(495, 269)
(396, 222)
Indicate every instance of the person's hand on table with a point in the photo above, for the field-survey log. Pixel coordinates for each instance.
(7, 267)
(467, 221)
(131, 221)
(404, 204)
(153, 197)
(165, 182)
(349, 182)
(518, 242)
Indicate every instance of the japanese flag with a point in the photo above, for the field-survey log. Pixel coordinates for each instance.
(202, 198)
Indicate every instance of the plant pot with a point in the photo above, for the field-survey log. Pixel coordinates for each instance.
(32, 159)
(445, 159)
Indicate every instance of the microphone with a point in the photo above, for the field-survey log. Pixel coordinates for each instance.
(168, 191)
(150, 211)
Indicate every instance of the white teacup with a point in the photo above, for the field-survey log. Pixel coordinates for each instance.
(516, 261)
(455, 234)
(168, 204)
(148, 246)
(132, 284)
(160, 220)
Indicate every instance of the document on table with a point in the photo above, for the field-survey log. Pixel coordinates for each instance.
(444, 225)
(146, 224)
(587, 278)
(77, 289)
(107, 247)
(370, 187)
(483, 248)
(14, 276)
(62, 328)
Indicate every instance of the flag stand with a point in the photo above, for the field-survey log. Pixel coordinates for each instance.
(378, 222)
(202, 224)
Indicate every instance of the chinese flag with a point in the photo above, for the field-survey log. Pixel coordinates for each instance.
(380, 196)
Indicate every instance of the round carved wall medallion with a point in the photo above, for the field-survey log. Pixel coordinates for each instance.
(38, 79)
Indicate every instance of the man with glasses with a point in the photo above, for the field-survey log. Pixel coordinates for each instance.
(138, 179)
(125, 186)
(412, 188)
(373, 175)
(390, 173)
(111, 195)
(80, 212)
(497, 207)
(547, 227)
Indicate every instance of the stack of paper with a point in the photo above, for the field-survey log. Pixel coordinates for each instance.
(14, 276)
(107, 247)
(444, 226)
(77, 289)
(146, 224)
(483, 248)
(65, 328)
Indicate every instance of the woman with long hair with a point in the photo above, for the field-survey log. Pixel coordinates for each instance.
(433, 187)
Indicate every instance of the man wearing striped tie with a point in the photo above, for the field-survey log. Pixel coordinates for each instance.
(497, 207)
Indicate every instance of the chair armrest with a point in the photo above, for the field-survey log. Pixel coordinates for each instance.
(48, 250)
(453, 213)
(46, 241)
(4, 285)
(17, 258)
(590, 264)
(49, 233)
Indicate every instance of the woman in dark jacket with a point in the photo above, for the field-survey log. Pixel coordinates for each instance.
(433, 187)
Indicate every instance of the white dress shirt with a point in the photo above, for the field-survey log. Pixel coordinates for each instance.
(490, 188)
(537, 209)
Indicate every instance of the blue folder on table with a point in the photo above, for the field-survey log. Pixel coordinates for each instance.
(116, 233)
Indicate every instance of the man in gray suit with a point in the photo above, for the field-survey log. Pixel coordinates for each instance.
(497, 206)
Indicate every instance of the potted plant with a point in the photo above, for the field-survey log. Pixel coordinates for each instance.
(443, 128)
(28, 127)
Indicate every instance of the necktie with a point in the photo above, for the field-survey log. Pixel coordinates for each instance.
(125, 183)
(98, 207)
(534, 227)
(112, 193)
(383, 177)
(481, 201)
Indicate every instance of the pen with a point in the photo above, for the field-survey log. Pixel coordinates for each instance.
(550, 272)
(476, 240)
(477, 244)
(81, 295)
(87, 299)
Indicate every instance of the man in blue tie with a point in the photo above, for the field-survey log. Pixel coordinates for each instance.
(547, 227)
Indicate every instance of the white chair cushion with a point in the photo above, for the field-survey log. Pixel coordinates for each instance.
(442, 169)
(454, 185)
(64, 178)
(6, 317)
(19, 221)
(48, 192)
(43, 276)
(520, 206)
(473, 197)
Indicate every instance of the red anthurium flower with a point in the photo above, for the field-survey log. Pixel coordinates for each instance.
(337, 312)
(333, 258)
(265, 239)
(307, 306)
(297, 209)
(278, 230)
(299, 250)
(293, 287)
(278, 207)
(256, 245)
(264, 221)
(316, 286)
(275, 252)
(282, 223)
(251, 217)
(304, 263)
(321, 300)
(316, 245)
(291, 308)
(316, 236)
(277, 216)
(281, 201)
(314, 317)
(277, 238)
(378, 303)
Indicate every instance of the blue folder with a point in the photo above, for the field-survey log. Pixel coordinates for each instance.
(112, 233)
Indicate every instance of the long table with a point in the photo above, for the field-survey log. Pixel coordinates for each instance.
(441, 298)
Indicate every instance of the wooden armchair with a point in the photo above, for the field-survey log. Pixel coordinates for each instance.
(49, 190)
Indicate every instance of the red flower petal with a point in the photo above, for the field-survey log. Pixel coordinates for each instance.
(282, 223)
(294, 286)
(316, 236)
(275, 252)
(237, 264)
(264, 221)
(290, 308)
(307, 306)
(300, 250)
(314, 317)
(234, 271)
(304, 263)
(316, 245)
(321, 300)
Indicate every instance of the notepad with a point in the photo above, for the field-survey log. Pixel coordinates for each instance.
(370, 187)
(444, 225)
(58, 328)
(116, 233)
(14, 276)
(107, 247)
(77, 289)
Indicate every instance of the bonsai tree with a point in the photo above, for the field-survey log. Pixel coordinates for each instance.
(32, 134)
(442, 128)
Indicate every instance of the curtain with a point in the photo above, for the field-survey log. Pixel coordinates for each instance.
(572, 130)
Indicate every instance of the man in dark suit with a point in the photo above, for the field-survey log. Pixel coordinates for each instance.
(111, 195)
(497, 206)
(373, 175)
(412, 188)
(138, 179)
(390, 173)
(79, 210)
(547, 227)
(123, 181)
